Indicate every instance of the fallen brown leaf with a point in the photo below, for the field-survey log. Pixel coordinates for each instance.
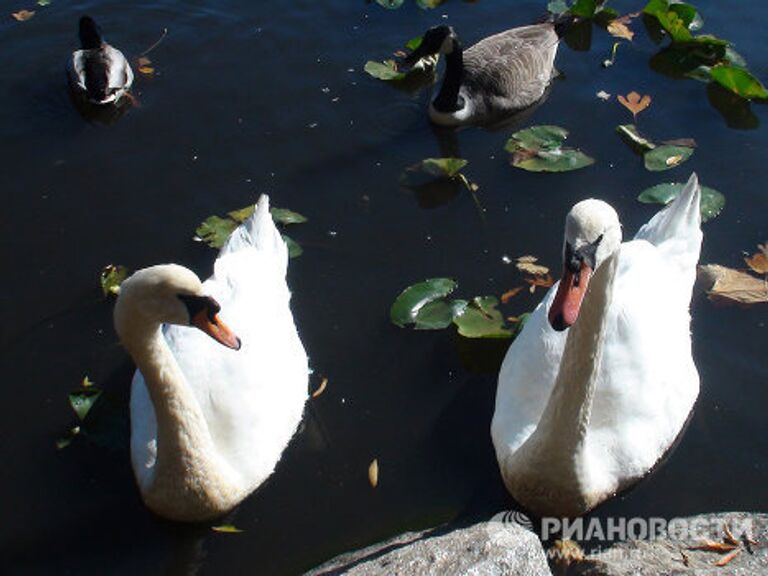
(687, 142)
(758, 262)
(23, 15)
(321, 388)
(538, 281)
(147, 70)
(373, 473)
(728, 557)
(634, 102)
(509, 294)
(712, 546)
(732, 286)
(620, 30)
(729, 537)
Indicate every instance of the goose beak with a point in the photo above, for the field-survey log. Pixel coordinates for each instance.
(570, 294)
(216, 329)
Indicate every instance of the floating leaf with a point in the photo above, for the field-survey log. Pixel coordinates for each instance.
(584, 8)
(666, 157)
(758, 262)
(214, 231)
(557, 7)
(147, 70)
(528, 264)
(712, 201)
(373, 473)
(43, 2)
(438, 314)
(739, 81)
(321, 388)
(82, 400)
(386, 70)
(509, 294)
(629, 134)
(677, 18)
(407, 305)
(243, 214)
(603, 95)
(634, 102)
(539, 281)
(429, 4)
(285, 216)
(226, 529)
(620, 30)
(294, 248)
(111, 277)
(23, 15)
(446, 167)
(390, 4)
(539, 149)
(481, 319)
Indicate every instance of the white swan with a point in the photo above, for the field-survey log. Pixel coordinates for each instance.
(210, 422)
(585, 413)
(98, 72)
(499, 75)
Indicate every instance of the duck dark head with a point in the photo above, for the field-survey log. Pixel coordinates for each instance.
(90, 35)
(438, 39)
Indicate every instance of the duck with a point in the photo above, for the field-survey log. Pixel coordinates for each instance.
(496, 77)
(222, 376)
(601, 381)
(98, 72)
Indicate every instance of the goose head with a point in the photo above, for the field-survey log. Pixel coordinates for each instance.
(90, 35)
(169, 294)
(437, 40)
(592, 233)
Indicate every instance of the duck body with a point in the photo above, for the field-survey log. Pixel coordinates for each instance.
(209, 424)
(98, 72)
(498, 76)
(584, 413)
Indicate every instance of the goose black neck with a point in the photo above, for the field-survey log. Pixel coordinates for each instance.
(448, 98)
(90, 37)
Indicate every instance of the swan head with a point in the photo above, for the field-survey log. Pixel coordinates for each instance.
(90, 35)
(169, 294)
(592, 234)
(437, 40)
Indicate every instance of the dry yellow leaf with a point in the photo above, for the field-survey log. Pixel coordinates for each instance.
(634, 102)
(321, 388)
(373, 473)
(727, 285)
(528, 264)
(758, 262)
(620, 30)
(23, 15)
(147, 70)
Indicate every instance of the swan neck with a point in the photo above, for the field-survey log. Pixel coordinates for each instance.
(448, 98)
(564, 423)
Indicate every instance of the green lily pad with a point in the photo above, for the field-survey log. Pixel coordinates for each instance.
(429, 4)
(214, 231)
(111, 277)
(410, 301)
(386, 70)
(294, 248)
(390, 4)
(712, 201)
(481, 319)
(584, 8)
(739, 81)
(285, 216)
(442, 167)
(82, 400)
(666, 157)
(631, 136)
(414, 43)
(438, 314)
(540, 149)
(677, 18)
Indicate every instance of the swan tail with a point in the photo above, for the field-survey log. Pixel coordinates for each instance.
(677, 228)
(259, 232)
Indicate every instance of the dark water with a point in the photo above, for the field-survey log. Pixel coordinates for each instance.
(255, 97)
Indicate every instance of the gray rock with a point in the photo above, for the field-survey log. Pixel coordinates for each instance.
(671, 554)
(485, 549)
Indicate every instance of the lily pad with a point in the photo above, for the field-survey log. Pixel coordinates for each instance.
(482, 319)
(631, 136)
(447, 167)
(82, 400)
(411, 300)
(712, 201)
(666, 157)
(739, 81)
(390, 4)
(294, 248)
(540, 149)
(111, 277)
(285, 216)
(214, 231)
(439, 314)
(386, 70)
